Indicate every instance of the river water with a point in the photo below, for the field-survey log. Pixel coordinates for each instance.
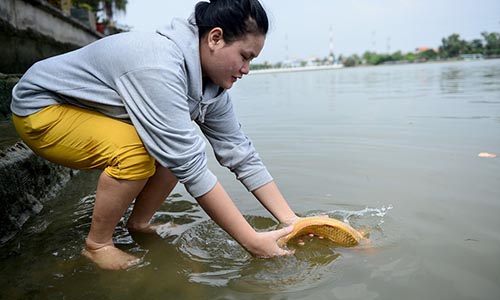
(392, 149)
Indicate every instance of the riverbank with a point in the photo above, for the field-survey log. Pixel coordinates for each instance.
(27, 180)
(30, 30)
(9, 136)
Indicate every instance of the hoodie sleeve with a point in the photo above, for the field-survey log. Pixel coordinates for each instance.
(157, 104)
(233, 149)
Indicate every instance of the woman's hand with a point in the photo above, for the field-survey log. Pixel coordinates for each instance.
(265, 243)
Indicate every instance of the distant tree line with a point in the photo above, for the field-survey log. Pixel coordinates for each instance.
(451, 47)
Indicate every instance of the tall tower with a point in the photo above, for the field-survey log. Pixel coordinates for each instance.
(331, 57)
(374, 42)
(287, 57)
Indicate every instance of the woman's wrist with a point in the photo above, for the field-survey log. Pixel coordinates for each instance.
(249, 241)
(290, 219)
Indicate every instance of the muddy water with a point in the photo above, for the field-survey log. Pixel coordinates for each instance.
(393, 149)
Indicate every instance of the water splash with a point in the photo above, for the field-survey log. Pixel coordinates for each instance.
(348, 215)
(371, 217)
(368, 220)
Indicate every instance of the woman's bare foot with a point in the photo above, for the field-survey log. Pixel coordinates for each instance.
(110, 258)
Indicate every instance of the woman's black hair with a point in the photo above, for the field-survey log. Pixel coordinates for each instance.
(236, 18)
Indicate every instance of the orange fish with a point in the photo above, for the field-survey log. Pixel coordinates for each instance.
(332, 229)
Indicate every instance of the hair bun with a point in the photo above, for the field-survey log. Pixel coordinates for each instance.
(236, 18)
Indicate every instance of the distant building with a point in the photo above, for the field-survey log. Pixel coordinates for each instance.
(423, 49)
(294, 63)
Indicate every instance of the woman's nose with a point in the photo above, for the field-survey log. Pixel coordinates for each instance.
(245, 69)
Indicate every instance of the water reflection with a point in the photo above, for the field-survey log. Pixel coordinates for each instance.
(347, 150)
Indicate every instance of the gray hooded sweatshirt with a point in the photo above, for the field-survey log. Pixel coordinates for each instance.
(154, 81)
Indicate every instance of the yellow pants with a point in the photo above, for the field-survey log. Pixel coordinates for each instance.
(83, 139)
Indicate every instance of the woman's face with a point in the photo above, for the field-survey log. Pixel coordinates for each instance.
(225, 63)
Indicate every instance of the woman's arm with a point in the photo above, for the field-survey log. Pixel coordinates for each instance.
(272, 199)
(222, 210)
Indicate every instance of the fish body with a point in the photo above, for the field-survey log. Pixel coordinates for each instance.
(332, 229)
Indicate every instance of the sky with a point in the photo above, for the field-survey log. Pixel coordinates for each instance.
(303, 29)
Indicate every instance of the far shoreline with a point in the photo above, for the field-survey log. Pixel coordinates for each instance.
(296, 69)
(341, 66)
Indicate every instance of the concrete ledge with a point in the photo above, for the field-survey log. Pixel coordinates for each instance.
(31, 30)
(45, 19)
(27, 181)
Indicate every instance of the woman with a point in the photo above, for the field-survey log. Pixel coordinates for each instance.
(125, 104)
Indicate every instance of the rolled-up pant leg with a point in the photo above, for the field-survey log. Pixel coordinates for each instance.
(83, 139)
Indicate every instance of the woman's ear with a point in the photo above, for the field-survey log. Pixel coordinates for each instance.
(216, 38)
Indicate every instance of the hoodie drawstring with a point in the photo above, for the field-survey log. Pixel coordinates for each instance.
(202, 110)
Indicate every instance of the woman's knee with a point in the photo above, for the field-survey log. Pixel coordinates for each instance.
(131, 162)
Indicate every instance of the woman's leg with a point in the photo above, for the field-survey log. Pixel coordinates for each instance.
(113, 197)
(74, 137)
(154, 193)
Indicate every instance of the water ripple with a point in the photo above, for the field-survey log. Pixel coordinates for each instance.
(220, 261)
